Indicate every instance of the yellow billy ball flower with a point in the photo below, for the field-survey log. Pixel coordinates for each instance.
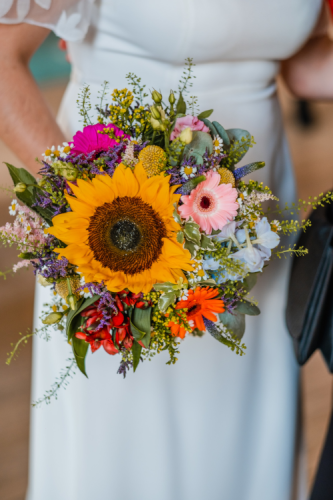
(227, 177)
(62, 288)
(153, 160)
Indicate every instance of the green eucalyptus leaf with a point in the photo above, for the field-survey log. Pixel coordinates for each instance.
(222, 133)
(136, 351)
(181, 105)
(22, 175)
(243, 137)
(166, 300)
(205, 114)
(80, 349)
(235, 322)
(211, 127)
(249, 282)
(200, 143)
(180, 237)
(245, 307)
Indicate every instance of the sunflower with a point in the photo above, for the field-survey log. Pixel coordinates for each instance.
(121, 231)
(200, 303)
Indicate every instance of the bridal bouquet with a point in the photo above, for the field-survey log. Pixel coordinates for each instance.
(145, 229)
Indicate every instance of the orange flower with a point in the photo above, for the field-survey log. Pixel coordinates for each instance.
(199, 304)
(177, 330)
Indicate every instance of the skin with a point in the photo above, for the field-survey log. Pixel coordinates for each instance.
(28, 127)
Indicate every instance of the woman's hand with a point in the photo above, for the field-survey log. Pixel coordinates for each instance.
(309, 73)
(27, 125)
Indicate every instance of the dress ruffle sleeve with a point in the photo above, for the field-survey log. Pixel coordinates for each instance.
(69, 19)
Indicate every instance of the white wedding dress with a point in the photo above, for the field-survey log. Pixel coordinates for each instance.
(214, 426)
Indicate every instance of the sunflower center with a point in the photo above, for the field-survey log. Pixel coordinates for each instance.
(205, 202)
(125, 235)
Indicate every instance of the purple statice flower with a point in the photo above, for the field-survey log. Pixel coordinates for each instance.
(49, 266)
(210, 162)
(106, 303)
(124, 367)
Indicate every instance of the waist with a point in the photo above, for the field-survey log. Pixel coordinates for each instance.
(235, 80)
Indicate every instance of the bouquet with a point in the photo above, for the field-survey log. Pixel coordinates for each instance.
(145, 228)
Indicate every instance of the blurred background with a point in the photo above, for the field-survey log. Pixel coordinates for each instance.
(309, 128)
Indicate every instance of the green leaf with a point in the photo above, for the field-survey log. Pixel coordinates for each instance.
(191, 184)
(246, 307)
(206, 243)
(249, 282)
(205, 114)
(181, 105)
(200, 143)
(222, 133)
(81, 306)
(192, 232)
(80, 349)
(29, 196)
(22, 175)
(166, 300)
(140, 325)
(211, 127)
(192, 248)
(235, 322)
(136, 351)
(180, 237)
(243, 137)
(167, 286)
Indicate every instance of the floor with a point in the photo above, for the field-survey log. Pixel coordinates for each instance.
(312, 151)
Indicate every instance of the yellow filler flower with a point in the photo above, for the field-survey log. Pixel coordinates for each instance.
(121, 230)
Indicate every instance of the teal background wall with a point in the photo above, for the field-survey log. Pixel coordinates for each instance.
(48, 64)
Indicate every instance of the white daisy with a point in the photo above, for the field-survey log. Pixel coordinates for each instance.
(188, 171)
(65, 149)
(13, 207)
(85, 292)
(218, 145)
(28, 228)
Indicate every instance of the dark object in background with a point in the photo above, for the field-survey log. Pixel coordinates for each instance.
(310, 318)
(304, 115)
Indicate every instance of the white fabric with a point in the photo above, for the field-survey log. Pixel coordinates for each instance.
(69, 19)
(214, 425)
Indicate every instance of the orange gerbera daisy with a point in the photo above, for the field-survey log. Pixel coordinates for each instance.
(200, 303)
(177, 330)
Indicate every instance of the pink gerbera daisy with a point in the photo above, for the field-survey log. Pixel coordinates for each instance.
(90, 140)
(210, 204)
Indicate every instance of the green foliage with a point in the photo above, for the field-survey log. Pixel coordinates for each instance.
(138, 88)
(140, 325)
(136, 351)
(62, 381)
(180, 106)
(240, 142)
(246, 307)
(84, 105)
(284, 252)
(185, 81)
(205, 114)
(28, 197)
(222, 133)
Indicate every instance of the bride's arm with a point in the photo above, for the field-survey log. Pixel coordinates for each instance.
(309, 73)
(27, 125)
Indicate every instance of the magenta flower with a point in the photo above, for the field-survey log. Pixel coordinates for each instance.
(90, 140)
(210, 204)
(188, 121)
